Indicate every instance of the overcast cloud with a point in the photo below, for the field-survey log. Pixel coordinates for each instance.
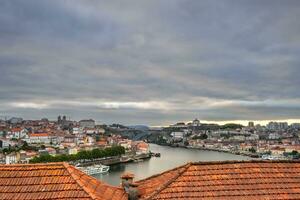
(150, 62)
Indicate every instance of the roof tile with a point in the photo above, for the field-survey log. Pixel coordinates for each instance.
(226, 180)
(52, 181)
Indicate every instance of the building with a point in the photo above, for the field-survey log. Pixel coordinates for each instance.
(142, 147)
(177, 135)
(11, 158)
(251, 124)
(15, 120)
(6, 143)
(277, 125)
(53, 181)
(221, 180)
(196, 122)
(38, 138)
(17, 133)
(87, 123)
(295, 125)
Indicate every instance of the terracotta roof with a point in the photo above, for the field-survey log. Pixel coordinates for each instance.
(53, 181)
(16, 129)
(38, 135)
(225, 180)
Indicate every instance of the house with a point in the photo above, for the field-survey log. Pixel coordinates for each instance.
(53, 181)
(224, 180)
(278, 151)
(6, 143)
(25, 156)
(72, 150)
(11, 158)
(177, 135)
(38, 138)
(221, 180)
(142, 147)
(69, 139)
(16, 133)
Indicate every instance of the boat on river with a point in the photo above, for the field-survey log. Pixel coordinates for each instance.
(94, 169)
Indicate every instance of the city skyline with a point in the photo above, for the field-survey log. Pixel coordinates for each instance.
(151, 62)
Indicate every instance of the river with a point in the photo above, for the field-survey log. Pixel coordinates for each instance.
(170, 158)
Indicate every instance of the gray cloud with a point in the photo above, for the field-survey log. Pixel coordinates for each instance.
(150, 62)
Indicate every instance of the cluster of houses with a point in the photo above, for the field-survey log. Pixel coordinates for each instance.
(254, 140)
(51, 137)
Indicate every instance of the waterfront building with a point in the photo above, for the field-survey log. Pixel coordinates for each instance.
(6, 143)
(179, 125)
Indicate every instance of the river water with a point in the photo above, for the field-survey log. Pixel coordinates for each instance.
(170, 158)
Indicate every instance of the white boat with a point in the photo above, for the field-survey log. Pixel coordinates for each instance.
(94, 169)
(270, 157)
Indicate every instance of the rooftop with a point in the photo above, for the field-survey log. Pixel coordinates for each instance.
(232, 180)
(225, 180)
(53, 181)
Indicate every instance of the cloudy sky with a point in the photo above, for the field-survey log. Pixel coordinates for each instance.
(150, 62)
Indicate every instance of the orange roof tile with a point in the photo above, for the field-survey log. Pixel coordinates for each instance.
(38, 135)
(53, 181)
(16, 129)
(225, 180)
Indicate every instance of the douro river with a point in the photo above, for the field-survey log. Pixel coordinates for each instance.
(170, 158)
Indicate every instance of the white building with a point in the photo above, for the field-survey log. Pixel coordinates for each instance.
(38, 138)
(177, 134)
(11, 158)
(196, 122)
(17, 133)
(274, 136)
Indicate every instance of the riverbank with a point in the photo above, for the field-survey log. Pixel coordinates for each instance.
(242, 153)
(249, 154)
(115, 160)
(169, 159)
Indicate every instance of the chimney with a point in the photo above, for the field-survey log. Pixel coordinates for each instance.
(129, 186)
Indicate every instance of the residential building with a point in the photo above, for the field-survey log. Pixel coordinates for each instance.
(87, 123)
(196, 122)
(53, 181)
(38, 138)
(177, 135)
(11, 158)
(230, 180)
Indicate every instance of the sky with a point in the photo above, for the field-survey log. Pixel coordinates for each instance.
(150, 62)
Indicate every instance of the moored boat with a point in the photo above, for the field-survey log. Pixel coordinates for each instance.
(94, 169)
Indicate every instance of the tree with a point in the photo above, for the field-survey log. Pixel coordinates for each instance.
(95, 153)
(252, 150)
(294, 152)
(232, 126)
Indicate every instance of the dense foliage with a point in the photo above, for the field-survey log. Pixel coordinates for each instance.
(232, 126)
(95, 153)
